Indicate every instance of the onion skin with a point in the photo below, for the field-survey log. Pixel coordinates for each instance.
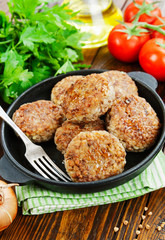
(8, 205)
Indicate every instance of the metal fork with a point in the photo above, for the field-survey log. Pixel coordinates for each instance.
(35, 154)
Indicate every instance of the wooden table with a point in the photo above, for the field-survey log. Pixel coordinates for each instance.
(95, 222)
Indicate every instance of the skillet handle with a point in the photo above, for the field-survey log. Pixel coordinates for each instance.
(145, 78)
(11, 174)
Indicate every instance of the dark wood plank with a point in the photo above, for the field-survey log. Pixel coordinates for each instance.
(105, 60)
(89, 55)
(156, 205)
(93, 222)
(79, 223)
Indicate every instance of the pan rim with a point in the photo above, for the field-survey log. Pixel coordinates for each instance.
(146, 161)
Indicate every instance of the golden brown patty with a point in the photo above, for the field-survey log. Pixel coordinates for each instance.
(95, 155)
(38, 120)
(134, 122)
(88, 98)
(122, 83)
(69, 130)
(59, 90)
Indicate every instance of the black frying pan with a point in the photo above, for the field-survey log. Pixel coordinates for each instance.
(15, 168)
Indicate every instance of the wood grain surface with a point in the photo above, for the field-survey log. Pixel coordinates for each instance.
(97, 222)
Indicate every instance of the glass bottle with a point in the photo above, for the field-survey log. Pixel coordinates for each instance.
(97, 17)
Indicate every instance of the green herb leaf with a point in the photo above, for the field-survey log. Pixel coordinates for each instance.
(66, 67)
(36, 43)
(23, 8)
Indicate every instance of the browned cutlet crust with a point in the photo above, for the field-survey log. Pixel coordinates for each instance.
(69, 130)
(122, 83)
(38, 120)
(134, 122)
(95, 155)
(88, 98)
(59, 90)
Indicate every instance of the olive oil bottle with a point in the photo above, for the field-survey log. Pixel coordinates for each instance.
(97, 17)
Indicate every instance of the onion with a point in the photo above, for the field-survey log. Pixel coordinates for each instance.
(8, 204)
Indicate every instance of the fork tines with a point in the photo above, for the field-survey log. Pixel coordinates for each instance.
(44, 165)
(50, 169)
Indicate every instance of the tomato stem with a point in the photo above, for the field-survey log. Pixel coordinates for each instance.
(153, 27)
(144, 8)
(132, 30)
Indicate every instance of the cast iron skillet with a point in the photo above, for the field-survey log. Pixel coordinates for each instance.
(15, 168)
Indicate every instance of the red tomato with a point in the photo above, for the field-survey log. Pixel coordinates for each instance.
(152, 58)
(123, 46)
(156, 34)
(132, 10)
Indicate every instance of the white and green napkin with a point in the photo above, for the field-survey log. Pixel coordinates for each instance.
(37, 200)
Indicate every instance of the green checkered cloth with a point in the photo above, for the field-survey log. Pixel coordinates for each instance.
(36, 200)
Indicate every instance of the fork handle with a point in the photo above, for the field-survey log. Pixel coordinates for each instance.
(8, 120)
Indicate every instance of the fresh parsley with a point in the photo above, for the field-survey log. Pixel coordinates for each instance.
(36, 42)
